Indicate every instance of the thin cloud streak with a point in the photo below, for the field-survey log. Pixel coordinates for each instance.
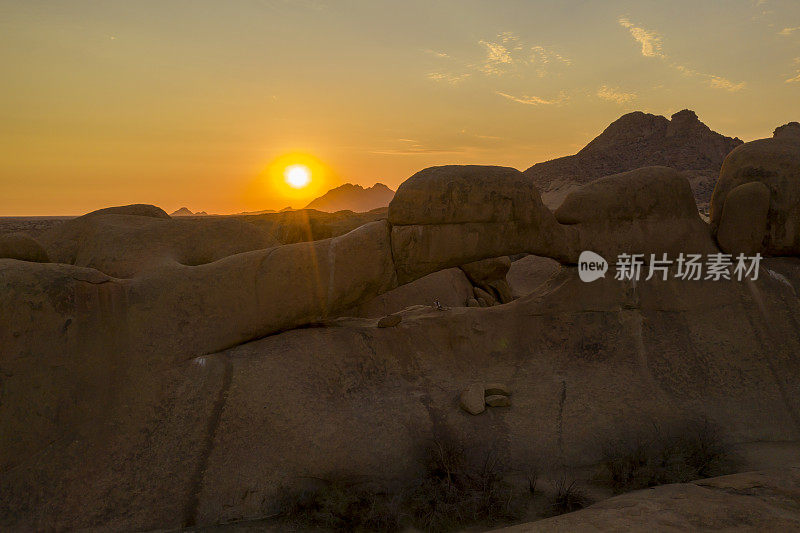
(651, 41)
(652, 46)
(614, 95)
(532, 100)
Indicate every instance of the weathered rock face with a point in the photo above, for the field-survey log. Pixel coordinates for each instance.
(743, 223)
(775, 163)
(122, 244)
(123, 434)
(648, 210)
(528, 273)
(640, 140)
(23, 247)
(453, 215)
(450, 287)
(487, 270)
(456, 194)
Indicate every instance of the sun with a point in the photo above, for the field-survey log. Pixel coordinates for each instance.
(297, 176)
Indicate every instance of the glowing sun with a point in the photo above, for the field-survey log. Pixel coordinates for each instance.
(297, 176)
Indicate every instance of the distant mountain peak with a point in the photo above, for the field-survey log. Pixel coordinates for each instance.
(353, 197)
(182, 212)
(637, 140)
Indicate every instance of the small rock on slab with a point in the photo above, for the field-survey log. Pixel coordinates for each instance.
(498, 400)
(389, 321)
(494, 389)
(472, 399)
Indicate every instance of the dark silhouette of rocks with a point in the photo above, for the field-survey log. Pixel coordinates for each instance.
(640, 140)
(186, 212)
(351, 197)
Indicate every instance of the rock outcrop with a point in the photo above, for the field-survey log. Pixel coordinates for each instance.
(122, 242)
(640, 140)
(775, 163)
(23, 247)
(349, 197)
(649, 211)
(149, 402)
(452, 215)
(139, 210)
(754, 501)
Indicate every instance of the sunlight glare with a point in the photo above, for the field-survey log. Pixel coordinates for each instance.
(297, 176)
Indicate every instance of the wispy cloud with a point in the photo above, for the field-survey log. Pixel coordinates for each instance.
(505, 54)
(448, 77)
(533, 100)
(715, 82)
(614, 95)
(796, 78)
(441, 55)
(651, 41)
(718, 82)
(788, 31)
(417, 150)
(498, 53)
(653, 46)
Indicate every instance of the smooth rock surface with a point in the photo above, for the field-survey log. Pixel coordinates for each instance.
(775, 163)
(472, 399)
(648, 210)
(752, 501)
(22, 247)
(743, 224)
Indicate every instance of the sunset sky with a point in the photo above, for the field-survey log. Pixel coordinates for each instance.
(191, 102)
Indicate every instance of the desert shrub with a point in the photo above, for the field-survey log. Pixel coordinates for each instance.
(568, 497)
(454, 490)
(342, 507)
(459, 489)
(677, 455)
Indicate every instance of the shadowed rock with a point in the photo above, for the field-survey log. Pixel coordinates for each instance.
(648, 210)
(775, 163)
(23, 247)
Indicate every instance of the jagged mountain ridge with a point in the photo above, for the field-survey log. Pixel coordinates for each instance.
(353, 198)
(637, 140)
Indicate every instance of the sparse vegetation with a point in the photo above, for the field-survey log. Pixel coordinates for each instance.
(454, 490)
(460, 486)
(568, 497)
(676, 455)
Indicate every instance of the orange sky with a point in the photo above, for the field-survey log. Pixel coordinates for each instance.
(187, 103)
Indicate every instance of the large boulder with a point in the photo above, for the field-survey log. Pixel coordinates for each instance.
(743, 222)
(455, 194)
(122, 244)
(775, 163)
(452, 215)
(650, 210)
(22, 247)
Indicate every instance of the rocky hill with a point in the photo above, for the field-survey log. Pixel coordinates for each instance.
(186, 212)
(638, 140)
(353, 198)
